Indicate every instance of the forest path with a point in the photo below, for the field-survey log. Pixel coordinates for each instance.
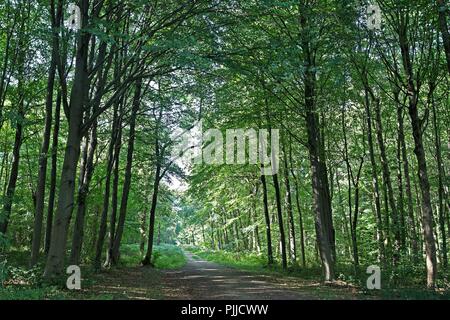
(200, 280)
(204, 280)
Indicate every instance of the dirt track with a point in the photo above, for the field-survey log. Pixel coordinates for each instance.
(200, 279)
(204, 280)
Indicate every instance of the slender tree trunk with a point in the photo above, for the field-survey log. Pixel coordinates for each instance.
(143, 218)
(151, 230)
(83, 191)
(403, 163)
(78, 99)
(224, 217)
(299, 209)
(115, 194)
(211, 222)
(441, 174)
(274, 163)
(254, 221)
(387, 180)
(7, 61)
(300, 216)
(42, 173)
(375, 184)
(321, 195)
(427, 211)
(267, 219)
(128, 168)
(400, 200)
(411, 218)
(19, 123)
(352, 217)
(158, 242)
(292, 240)
(203, 235)
(236, 230)
(11, 188)
(104, 215)
(53, 174)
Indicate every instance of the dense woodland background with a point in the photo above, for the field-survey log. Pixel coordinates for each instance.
(86, 118)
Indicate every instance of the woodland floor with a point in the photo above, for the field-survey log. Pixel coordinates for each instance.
(200, 280)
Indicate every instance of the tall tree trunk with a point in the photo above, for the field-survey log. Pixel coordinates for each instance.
(104, 215)
(254, 221)
(403, 161)
(115, 193)
(42, 173)
(78, 99)
(7, 61)
(19, 123)
(292, 242)
(427, 211)
(276, 184)
(411, 218)
(319, 177)
(83, 191)
(387, 180)
(142, 227)
(53, 174)
(267, 219)
(375, 184)
(14, 172)
(158, 242)
(127, 181)
(235, 227)
(151, 230)
(441, 174)
(300, 217)
(400, 200)
(211, 222)
(299, 209)
(352, 216)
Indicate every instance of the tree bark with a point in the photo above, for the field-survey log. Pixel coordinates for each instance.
(319, 177)
(267, 219)
(292, 240)
(19, 123)
(83, 191)
(104, 215)
(14, 172)
(375, 185)
(78, 99)
(42, 173)
(441, 174)
(142, 227)
(147, 261)
(387, 180)
(115, 193)
(128, 172)
(411, 218)
(427, 211)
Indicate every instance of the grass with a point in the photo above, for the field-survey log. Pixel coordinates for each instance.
(165, 256)
(18, 282)
(168, 257)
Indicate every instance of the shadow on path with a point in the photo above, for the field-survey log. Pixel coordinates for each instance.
(204, 280)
